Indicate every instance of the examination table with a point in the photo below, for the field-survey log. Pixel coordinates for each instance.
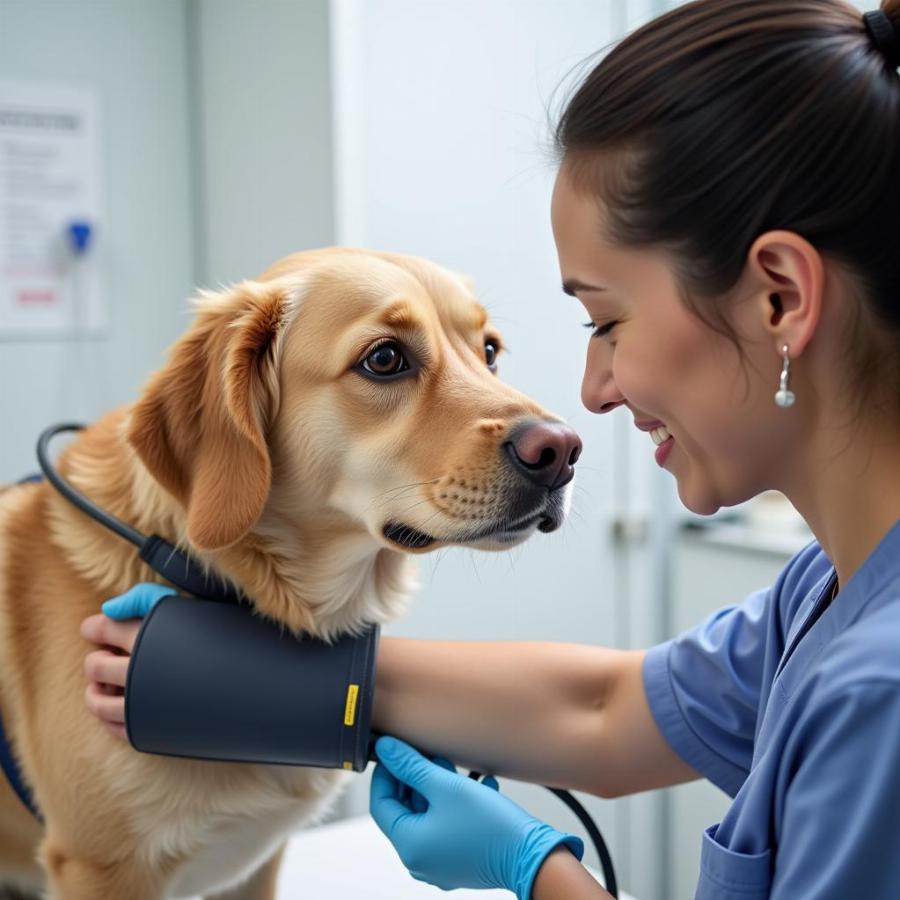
(351, 859)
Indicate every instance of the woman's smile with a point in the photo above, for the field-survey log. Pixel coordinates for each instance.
(663, 449)
(661, 437)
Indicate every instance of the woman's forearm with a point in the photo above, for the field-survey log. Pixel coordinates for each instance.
(526, 710)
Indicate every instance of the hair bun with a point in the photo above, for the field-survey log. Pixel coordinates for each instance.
(884, 36)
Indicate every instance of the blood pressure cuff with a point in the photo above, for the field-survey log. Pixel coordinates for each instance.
(213, 680)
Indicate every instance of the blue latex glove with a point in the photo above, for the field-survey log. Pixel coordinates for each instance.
(452, 831)
(137, 601)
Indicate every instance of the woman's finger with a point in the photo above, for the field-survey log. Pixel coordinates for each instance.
(100, 629)
(106, 667)
(385, 805)
(118, 730)
(108, 707)
(137, 601)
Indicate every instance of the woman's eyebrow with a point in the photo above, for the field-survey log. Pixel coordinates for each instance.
(573, 284)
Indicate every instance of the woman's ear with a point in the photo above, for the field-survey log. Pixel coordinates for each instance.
(792, 277)
(200, 426)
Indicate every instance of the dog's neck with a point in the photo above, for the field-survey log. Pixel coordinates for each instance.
(325, 580)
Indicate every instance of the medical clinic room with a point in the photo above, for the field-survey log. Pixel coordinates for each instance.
(449, 446)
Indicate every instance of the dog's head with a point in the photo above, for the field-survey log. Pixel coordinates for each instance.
(347, 392)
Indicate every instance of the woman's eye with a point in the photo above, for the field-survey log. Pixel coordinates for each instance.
(490, 354)
(601, 330)
(386, 359)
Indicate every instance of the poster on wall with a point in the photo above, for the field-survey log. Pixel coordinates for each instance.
(50, 213)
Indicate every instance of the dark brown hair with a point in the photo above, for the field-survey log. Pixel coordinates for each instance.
(722, 120)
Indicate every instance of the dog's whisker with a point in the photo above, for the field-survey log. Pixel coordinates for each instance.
(383, 501)
(437, 512)
(512, 558)
(414, 505)
(439, 558)
(395, 490)
(475, 566)
(403, 487)
(414, 484)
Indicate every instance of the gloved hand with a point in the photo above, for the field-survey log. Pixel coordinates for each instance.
(137, 601)
(468, 836)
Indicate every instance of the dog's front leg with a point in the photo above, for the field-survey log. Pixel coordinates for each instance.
(71, 877)
(261, 884)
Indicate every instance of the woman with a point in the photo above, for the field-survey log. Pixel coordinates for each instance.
(726, 210)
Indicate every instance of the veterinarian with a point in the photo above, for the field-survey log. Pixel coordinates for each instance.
(727, 211)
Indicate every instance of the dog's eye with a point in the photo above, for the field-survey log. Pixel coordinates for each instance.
(386, 359)
(490, 354)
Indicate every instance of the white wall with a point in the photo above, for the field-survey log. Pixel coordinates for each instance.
(133, 54)
(264, 188)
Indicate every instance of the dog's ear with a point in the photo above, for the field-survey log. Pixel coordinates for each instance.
(200, 427)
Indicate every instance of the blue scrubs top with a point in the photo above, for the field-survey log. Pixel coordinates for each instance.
(791, 705)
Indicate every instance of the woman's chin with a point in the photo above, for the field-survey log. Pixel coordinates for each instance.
(701, 503)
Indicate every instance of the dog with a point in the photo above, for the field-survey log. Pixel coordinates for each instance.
(311, 432)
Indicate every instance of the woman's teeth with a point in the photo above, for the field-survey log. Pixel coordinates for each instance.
(660, 435)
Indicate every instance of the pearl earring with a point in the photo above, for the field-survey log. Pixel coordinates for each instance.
(783, 397)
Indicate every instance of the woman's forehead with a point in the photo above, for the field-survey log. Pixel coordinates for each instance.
(587, 259)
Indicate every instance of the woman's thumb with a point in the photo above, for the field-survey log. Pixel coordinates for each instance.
(406, 764)
(136, 602)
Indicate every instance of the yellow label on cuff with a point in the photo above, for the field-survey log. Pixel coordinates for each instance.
(350, 708)
(348, 765)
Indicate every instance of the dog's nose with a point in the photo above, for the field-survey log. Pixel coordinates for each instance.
(545, 452)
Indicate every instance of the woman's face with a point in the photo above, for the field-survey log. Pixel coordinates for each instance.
(666, 366)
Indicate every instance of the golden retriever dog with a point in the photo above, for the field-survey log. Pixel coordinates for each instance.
(310, 432)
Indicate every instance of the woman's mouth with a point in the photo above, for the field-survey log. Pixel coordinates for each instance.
(664, 443)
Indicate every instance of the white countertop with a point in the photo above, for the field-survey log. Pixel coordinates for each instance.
(747, 537)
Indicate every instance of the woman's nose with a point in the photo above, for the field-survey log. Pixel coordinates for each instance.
(599, 393)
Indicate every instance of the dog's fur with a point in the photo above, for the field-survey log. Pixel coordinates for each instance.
(261, 448)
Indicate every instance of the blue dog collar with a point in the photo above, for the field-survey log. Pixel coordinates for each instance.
(14, 774)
